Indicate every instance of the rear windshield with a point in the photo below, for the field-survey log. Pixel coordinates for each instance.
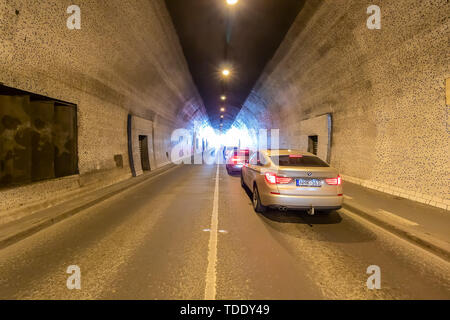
(304, 161)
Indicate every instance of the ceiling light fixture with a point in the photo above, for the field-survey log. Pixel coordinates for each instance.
(222, 109)
(232, 2)
(223, 98)
(226, 72)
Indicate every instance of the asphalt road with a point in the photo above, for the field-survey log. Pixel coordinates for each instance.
(159, 240)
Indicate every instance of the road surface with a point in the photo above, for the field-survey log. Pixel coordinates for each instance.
(181, 235)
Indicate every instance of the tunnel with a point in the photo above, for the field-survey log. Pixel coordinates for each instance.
(120, 120)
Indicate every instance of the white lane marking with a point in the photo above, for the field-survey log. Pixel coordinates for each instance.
(348, 197)
(397, 218)
(210, 289)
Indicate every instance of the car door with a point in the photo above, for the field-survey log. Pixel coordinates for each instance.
(254, 168)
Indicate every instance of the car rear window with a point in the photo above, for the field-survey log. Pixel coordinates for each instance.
(298, 161)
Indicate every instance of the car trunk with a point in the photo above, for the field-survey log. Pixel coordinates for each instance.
(305, 175)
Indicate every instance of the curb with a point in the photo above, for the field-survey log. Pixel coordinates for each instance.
(436, 246)
(51, 220)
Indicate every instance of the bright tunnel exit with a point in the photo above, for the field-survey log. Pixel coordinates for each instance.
(204, 144)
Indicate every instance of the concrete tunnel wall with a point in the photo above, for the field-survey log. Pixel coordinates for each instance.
(385, 90)
(126, 59)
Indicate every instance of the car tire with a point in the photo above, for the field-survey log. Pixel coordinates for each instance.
(257, 206)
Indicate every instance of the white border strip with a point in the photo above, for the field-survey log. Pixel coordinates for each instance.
(407, 194)
(210, 289)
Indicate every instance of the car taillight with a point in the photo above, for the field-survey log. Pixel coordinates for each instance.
(334, 181)
(272, 178)
(283, 180)
(235, 159)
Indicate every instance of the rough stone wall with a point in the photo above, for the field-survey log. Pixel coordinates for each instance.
(385, 89)
(125, 59)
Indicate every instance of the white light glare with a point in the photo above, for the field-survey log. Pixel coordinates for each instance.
(232, 2)
(234, 137)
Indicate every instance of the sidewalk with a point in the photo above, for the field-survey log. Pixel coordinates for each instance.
(424, 225)
(19, 229)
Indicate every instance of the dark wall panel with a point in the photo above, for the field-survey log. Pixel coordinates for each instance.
(42, 150)
(65, 141)
(38, 139)
(15, 140)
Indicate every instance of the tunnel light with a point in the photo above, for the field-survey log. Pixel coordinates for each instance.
(223, 98)
(221, 117)
(232, 2)
(226, 72)
(222, 109)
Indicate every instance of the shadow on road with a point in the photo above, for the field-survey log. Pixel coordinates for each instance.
(234, 174)
(298, 216)
(331, 227)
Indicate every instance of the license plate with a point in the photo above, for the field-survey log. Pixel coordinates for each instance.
(316, 183)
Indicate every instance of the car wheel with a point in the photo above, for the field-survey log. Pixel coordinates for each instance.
(257, 201)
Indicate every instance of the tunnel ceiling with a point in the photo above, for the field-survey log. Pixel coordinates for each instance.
(242, 38)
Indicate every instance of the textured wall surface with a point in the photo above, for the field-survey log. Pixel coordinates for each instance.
(385, 89)
(125, 59)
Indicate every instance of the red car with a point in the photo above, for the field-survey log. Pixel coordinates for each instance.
(236, 159)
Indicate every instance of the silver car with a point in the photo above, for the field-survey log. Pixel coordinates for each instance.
(291, 179)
